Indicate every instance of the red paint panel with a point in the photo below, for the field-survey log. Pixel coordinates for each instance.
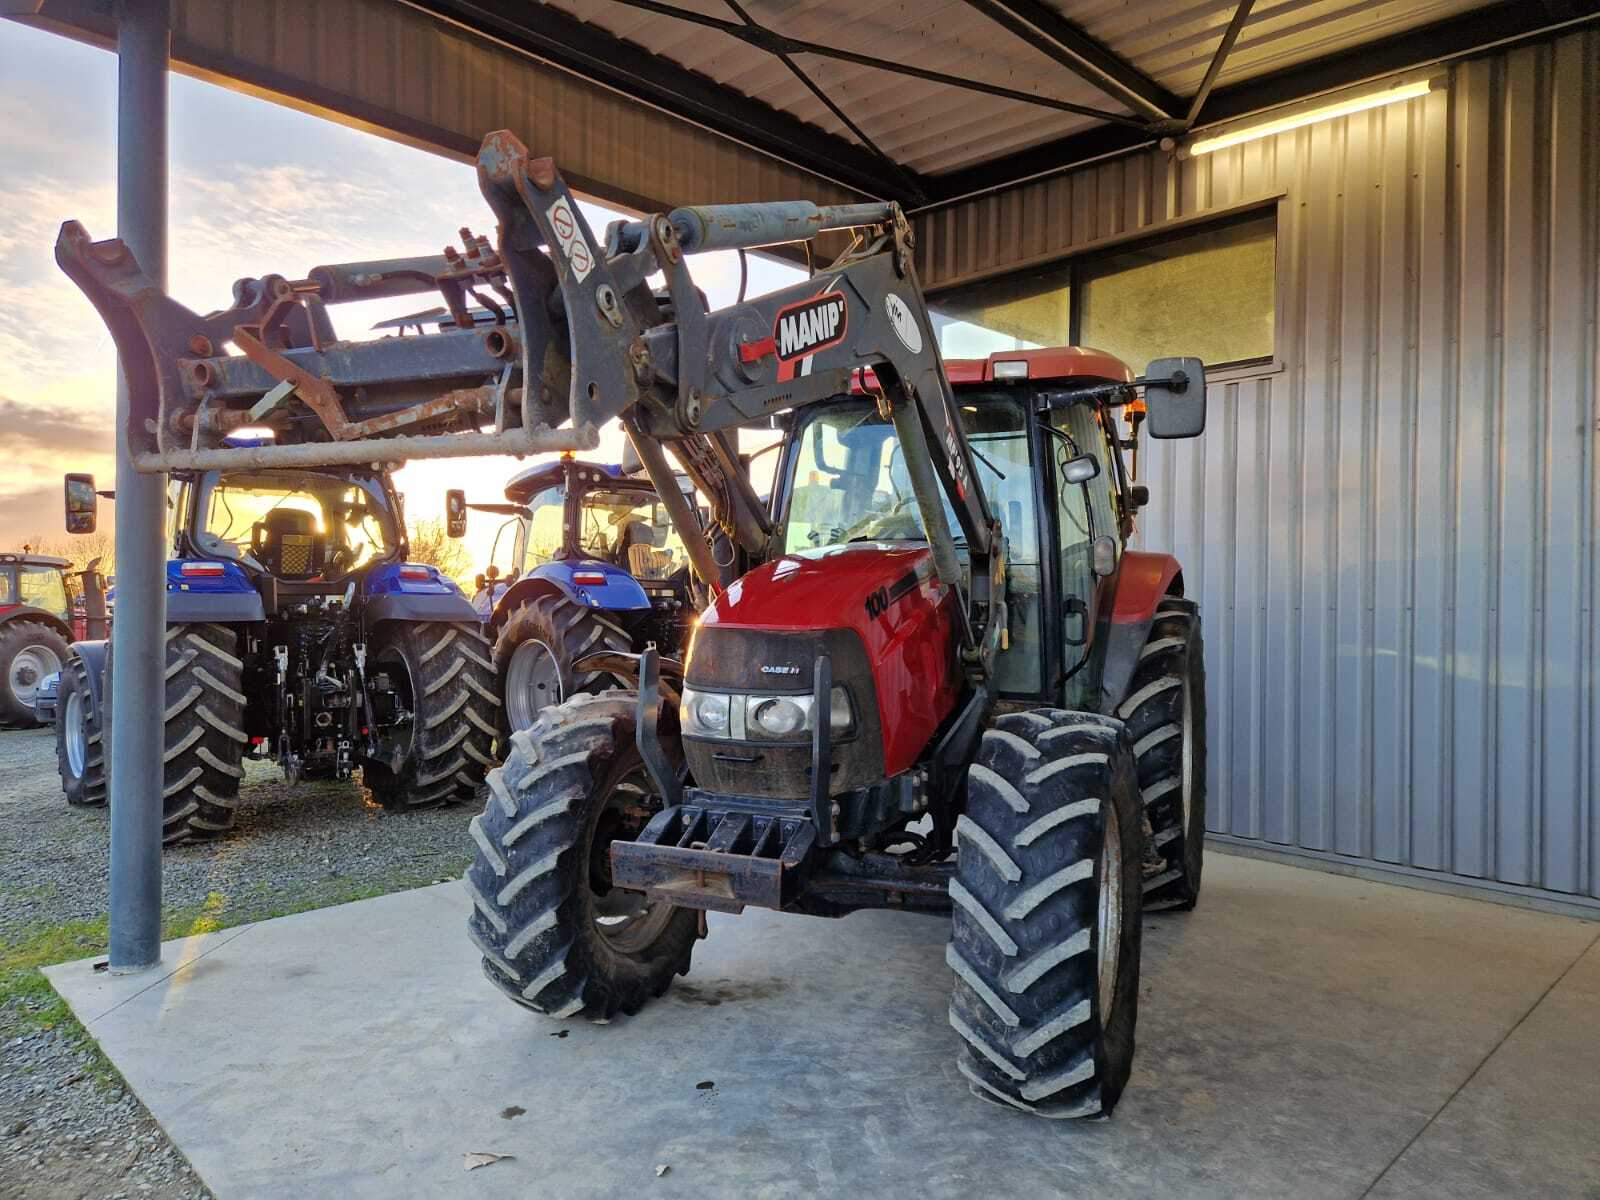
(1052, 364)
(1142, 579)
(910, 642)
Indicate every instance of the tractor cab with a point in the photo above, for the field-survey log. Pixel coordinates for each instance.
(594, 564)
(1049, 457)
(292, 526)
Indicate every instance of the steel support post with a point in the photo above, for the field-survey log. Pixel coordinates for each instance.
(138, 686)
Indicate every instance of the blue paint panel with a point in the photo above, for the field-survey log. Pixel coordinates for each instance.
(233, 579)
(386, 581)
(620, 592)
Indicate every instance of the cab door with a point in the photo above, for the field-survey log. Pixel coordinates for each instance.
(1088, 538)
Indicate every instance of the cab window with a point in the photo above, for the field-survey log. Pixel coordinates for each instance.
(849, 483)
(42, 587)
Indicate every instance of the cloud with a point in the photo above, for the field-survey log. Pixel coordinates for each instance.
(53, 428)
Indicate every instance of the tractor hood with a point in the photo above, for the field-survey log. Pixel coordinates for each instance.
(885, 621)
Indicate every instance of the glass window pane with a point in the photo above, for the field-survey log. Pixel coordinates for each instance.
(1019, 312)
(42, 587)
(1207, 295)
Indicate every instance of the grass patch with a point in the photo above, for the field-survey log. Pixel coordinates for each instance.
(28, 1002)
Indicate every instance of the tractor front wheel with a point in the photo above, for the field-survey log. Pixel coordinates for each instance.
(80, 749)
(1045, 937)
(556, 936)
(29, 651)
(443, 684)
(537, 646)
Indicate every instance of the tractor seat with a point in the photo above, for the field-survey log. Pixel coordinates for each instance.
(288, 545)
(647, 563)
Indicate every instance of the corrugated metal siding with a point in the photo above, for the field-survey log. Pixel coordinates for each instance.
(1393, 537)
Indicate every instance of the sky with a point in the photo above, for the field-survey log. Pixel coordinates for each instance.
(255, 187)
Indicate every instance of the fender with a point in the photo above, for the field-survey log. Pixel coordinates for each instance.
(94, 655)
(407, 606)
(1142, 580)
(39, 616)
(226, 599)
(414, 592)
(620, 592)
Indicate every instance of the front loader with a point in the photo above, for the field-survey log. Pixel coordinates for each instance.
(938, 681)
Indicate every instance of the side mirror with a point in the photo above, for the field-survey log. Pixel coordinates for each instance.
(82, 504)
(631, 463)
(1081, 469)
(1138, 495)
(1175, 397)
(455, 513)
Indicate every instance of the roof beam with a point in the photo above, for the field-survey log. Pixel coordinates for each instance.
(1225, 47)
(1474, 32)
(563, 41)
(782, 45)
(1048, 31)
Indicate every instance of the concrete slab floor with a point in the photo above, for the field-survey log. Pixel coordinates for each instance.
(1300, 1034)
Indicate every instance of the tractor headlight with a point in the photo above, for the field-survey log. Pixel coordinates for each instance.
(758, 717)
(706, 713)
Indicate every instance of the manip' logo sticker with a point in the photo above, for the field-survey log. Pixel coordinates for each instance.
(569, 236)
(800, 330)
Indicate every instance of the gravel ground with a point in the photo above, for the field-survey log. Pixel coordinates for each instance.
(66, 1127)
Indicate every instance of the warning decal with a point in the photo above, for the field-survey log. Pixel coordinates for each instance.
(569, 236)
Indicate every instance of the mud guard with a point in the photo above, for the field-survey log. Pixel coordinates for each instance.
(1143, 580)
(94, 656)
(415, 606)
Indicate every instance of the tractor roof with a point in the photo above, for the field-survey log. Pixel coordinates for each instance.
(1045, 365)
(36, 560)
(521, 487)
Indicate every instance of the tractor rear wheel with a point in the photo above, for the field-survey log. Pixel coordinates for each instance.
(537, 646)
(204, 743)
(1045, 935)
(442, 676)
(29, 651)
(1166, 715)
(80, 750)
(556, 936)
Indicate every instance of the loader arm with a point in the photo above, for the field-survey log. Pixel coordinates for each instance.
(578, 337)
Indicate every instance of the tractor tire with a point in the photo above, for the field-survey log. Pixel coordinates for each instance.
(29, 651)
(204, 743)
(448, 686)
(1046, 914)
(1166, 716)
(80, 750)
(534, 653)
(555, 936)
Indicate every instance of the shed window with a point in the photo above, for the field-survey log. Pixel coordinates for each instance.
(1207, 294)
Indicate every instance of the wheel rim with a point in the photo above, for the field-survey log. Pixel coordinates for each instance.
(73, 734)
(628, 921)
(533, 683)
(1109, 916)
(28, 670)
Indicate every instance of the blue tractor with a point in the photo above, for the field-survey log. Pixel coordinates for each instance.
(297, 631)
(594, 566)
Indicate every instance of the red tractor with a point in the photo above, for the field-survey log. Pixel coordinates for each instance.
(933, 676)
(41, 612)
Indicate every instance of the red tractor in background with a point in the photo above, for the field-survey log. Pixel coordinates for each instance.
(44, 607)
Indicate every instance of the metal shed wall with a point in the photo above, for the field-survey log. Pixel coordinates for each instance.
(390, 69)
(1393, 533)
